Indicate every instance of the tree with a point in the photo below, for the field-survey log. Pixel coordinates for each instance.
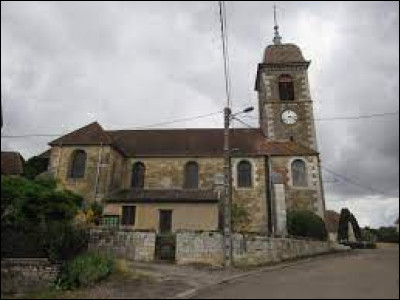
(304, 223)
(347, 217)
(34, 166)
(37, 219)
(26, 201)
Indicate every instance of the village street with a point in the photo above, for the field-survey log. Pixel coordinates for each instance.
(365, 274)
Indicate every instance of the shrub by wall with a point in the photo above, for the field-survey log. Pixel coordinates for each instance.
(85, 269)
(304, 223)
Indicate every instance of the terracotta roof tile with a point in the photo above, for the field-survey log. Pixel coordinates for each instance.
(92, 134)
(181, 142)
(285, 53)
(12, 163)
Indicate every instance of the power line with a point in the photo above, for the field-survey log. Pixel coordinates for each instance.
(225, 52)
(343, 177)
(135, 128)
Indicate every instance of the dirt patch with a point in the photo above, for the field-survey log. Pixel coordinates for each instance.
(136, 286)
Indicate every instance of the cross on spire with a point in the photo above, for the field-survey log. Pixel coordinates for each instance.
(277, 38)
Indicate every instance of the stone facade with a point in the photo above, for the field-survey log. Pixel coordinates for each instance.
(26, 275)
(104, 170)
(309, 197)
(271, 107)
(128, 244)
(207, 247)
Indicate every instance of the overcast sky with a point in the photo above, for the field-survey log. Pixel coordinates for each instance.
(131, 64)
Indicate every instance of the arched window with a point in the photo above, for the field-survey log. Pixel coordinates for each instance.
(299, 173)
(286, 88)
(138, 172)
(78, 164)
(191, 175)
(244, 174)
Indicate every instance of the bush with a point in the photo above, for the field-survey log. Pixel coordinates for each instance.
(304, 223)
(85, 270)
(65, 241)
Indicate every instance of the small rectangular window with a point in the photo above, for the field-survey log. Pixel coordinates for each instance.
(128, 215)
(110, 221)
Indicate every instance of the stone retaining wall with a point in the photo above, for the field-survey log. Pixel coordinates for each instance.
(128, 244)
(193, 248)
(24, 275)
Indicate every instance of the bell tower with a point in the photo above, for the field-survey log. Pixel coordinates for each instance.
(285, 104)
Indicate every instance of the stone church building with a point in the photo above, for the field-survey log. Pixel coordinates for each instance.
(170, 179)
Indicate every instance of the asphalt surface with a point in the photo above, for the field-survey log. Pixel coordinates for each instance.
(365, 274)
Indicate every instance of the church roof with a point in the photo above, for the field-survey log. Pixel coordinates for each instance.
(92, 134)
(12, 163)
(283, 53)
(181, 142)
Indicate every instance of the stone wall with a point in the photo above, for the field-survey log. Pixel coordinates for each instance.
(203, 248)
(258, 250)
(128, 244)
(26, 275)
(207, 248)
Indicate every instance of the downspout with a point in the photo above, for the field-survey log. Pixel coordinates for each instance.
(270, 202)
(98, 172)
(58, 161)
(321, 187)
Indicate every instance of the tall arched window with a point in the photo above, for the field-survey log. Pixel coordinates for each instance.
(244, 174)
(299, 173)
(286, 88)
(78, 164)
(138, 172)
(191, 175)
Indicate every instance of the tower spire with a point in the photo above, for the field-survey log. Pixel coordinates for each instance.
(277, 38)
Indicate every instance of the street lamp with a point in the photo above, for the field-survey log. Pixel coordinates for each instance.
(227, 203)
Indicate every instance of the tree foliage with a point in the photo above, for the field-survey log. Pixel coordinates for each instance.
(383, 234)
(37, 219)
(346, 218)
(304, 223)
(38, 201)
(34, 166)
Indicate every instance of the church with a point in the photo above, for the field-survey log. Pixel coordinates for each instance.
(167, 180)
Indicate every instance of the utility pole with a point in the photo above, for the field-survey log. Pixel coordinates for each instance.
(227, 203)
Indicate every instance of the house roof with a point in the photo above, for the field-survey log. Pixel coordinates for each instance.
(332, 220)
(181, 142)
(163, 195)
(12, 163)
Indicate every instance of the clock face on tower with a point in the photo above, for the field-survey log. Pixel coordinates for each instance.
(289, 117)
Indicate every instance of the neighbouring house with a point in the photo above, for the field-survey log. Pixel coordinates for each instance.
(170, 179)
(12, 164)
(332, 224)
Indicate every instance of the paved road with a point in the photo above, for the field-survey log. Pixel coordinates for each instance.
(366, 274)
